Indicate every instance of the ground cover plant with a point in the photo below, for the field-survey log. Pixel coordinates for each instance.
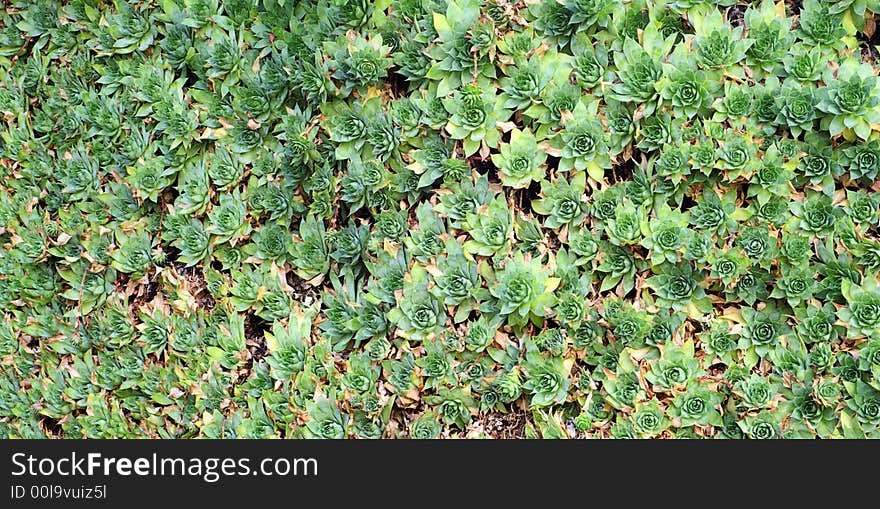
(439, 218)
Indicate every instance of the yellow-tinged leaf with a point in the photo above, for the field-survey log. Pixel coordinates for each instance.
(779, 9)
(552, 284)
(693, 312)
(848, 24)
(595, 171)
(213, 134)
(390, 247)
(373, 92)
(440, 22)
(732, 315)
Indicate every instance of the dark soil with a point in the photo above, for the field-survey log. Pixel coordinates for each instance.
(623, 170)
(736, 15)
(198, 287)
(302, 291)
(398, 83)
(510, 425)
(52, 427)
(254, 330)
(870, 53)
(868, 45)
(484, 166)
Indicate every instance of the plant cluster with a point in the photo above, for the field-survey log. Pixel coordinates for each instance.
(439, 218)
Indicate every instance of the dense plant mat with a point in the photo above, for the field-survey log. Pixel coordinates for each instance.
(439, 218)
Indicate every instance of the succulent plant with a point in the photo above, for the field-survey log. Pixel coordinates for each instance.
(405, 218)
